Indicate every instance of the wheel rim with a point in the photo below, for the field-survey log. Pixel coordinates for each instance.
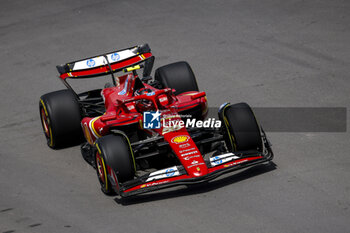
(45, 123)
(100, 169)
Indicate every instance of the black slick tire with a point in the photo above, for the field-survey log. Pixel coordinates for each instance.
(178, 76)
(114, 151)
(60, 118)
(241, 130)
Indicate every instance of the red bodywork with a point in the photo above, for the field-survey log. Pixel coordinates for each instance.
(122, 109)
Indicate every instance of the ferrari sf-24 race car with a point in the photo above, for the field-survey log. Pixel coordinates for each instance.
(143, 133)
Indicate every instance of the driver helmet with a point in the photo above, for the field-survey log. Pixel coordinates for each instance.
(143, 91)
(144, 105)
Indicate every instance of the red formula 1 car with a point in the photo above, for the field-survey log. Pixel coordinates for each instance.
(143, 133)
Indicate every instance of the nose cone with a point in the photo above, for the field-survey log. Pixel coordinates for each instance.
(187, 152)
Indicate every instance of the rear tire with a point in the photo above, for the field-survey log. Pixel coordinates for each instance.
(241, 130)
(116, 153)
(60, 118)
(178, 76)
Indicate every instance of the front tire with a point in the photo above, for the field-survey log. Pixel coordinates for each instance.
(114, 151)
(102, 175)
(60, 118)
(241, 129)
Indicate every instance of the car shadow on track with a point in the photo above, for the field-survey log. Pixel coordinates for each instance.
(198, 188)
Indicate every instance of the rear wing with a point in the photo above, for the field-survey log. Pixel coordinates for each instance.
(108, 63)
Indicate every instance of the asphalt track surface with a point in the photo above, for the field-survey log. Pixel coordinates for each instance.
(266, 53)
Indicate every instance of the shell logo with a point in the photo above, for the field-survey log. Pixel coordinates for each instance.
(142, 186)
(180, 139)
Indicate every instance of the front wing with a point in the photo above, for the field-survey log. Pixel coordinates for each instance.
(177, 175)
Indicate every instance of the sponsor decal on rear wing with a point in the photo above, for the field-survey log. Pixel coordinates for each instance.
(110, 62)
